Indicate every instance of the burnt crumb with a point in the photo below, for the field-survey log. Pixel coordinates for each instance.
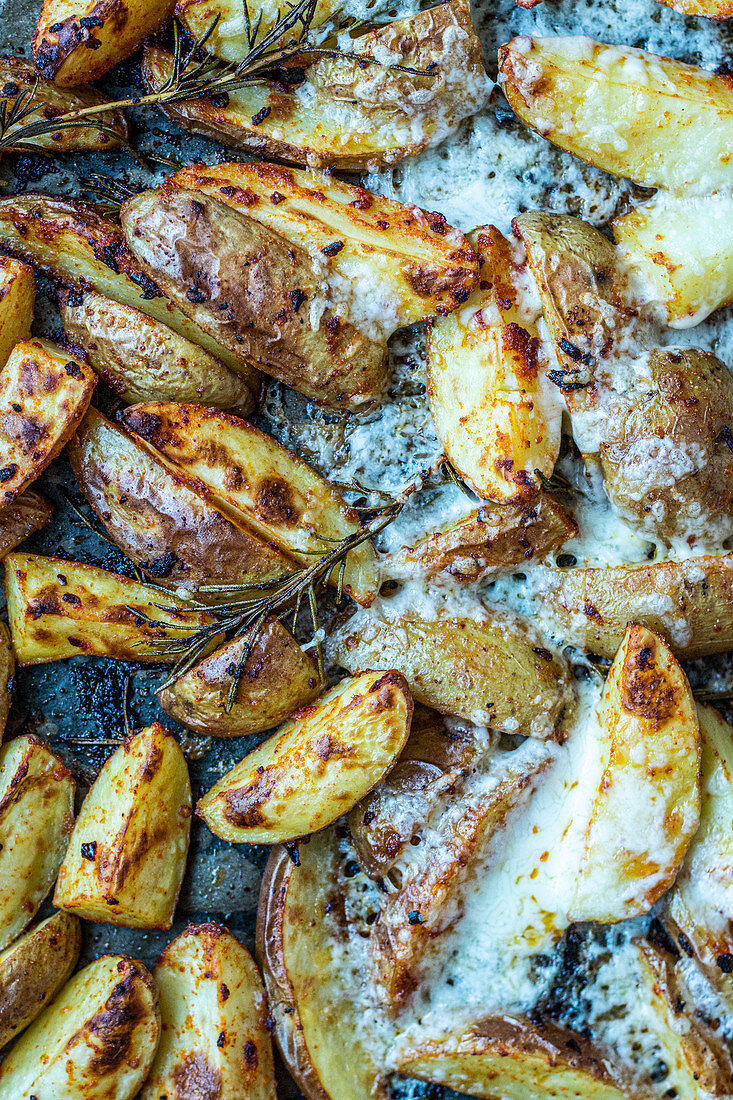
(566, 560)
(332, 249)
(161, 567)
(73, 370)
(261, 116)
(10, 89)
(56, 27)
(726, 435)
(276, 198)
(351, 868)
(221, 1041)
(30, 168)
(16, 407)
(658, 935)
(542, 652)
(89, 850)
(147, 285)
(92, 44)
(566, 381)
(297, 297)
(725, 962)
(8, 471)
(196, 294)
(220, 100)
(685, 944)
(571, 350)
(90, 21)
(415, 918)
(291, 847)
(250, 1053)
(70, 598)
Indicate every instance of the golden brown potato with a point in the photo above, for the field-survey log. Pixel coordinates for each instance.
(61, 609)
(347, 113)
(80, 40)
(486, 540)
(7, 669)
(681, 246)
(36, 816)
(127, 853)
(318, 1025)
(144, 360)
(513, 1058)
(17, 298)
(254, 292)
(33, 970)
(494, 411)
(158, 521)
(400, 264)
(245, 473)
(688, 602)
(18, 78)
(279, 677)
(646, 807)
(710, 9)
(29, 512)
(317, 766)
(494, 672)
(653, 119)
(43, 396)
(77, 247)
(228, 39)
(215, 1035)
(96, 1040)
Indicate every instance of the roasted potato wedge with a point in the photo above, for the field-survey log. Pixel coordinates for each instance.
(254, 292)
(680, 244)
(214, 1018)
(29, 512)
(349, 114)
(73, 244)
(127, 853)
(228, 40)
(249, 476)
(655, 120)
(144, 360)
(494, 411)
(43, 396)
(34, 968)
(61, 609)
(278, 678)
(96, 1040)
(700, 903)
(36, 816)
(17, 298)
(319, 1025)
(710, 9)
(513, 1059)
(17, 78)
(400, 264)
(317, 766)
(688, 602)
(80, 40)
(649, 742)
(487, 539)
(7, 669)
(493, 672)
(158, 521)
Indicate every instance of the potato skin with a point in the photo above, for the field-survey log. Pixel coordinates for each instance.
(127, 854)
(33, 970)
(214, 1016)
(244, 285)
(279, 677)
(7, 669)
(29, 512)
(317, 766)
(144, 360)
(158, 521)
(17, 299)
(80, 40)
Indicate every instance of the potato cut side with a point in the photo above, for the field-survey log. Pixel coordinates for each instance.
(256, 293)
(7, 669)
(347, 113)
(28, 513)
(158, 520)
(701, 901)
(80, 40)
(127, 853)
(73, 244)
(17, 298)
(144, 360)
(61, 609)
(257, 481)
(96, 1040)
(632, 113)
(317, 766)
(494, 672)
(511, 1059)
(50, 101)
(319, 1025)
(34, 968)
(688, 602)
(214, 1016)
(228, 40)
(278, 678)
(680, 245)
(486, 540)
(494, 411)
(43, 396)
(36, 816)
(401, 264)
(647, 804)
